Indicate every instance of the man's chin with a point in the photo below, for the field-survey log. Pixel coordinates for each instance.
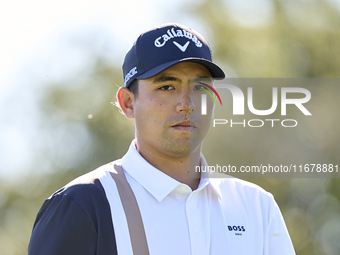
(181, 148)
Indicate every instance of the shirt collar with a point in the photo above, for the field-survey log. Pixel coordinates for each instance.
(213, 182)
(153, 180)
(146, 174)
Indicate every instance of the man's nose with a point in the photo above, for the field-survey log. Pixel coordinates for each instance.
(185, 104)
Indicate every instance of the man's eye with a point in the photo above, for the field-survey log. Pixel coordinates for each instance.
(167, 87)
(200, 87)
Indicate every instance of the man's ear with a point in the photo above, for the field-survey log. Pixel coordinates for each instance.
(125, 99)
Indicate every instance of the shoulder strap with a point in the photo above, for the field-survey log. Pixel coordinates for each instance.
(134, 219)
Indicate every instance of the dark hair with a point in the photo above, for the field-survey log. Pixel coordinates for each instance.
(134, 88)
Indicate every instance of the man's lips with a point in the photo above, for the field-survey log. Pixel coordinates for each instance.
(184, 125)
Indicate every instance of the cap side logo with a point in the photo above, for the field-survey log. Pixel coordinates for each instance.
(131, 73)
(182, 48)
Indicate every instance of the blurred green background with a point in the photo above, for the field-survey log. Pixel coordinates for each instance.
(57, 125)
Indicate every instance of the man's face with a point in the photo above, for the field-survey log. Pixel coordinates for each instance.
(167, 111)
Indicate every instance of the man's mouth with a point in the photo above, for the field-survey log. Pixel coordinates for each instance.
(184, 126)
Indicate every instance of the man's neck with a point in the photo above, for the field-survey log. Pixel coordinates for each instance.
(177, 168)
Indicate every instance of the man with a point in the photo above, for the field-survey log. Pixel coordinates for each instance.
(147, 202)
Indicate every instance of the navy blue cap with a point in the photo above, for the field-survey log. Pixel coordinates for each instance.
(162, 47)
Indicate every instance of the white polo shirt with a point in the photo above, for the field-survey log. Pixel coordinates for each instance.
(223, 216)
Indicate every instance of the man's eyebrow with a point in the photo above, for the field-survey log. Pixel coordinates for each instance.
(202, 79)
(165, 78)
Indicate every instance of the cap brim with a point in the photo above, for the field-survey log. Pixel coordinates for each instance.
(215, 71)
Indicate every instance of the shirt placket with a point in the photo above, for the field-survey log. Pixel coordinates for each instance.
(198, 229)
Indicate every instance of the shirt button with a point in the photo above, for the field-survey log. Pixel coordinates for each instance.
(196, 230)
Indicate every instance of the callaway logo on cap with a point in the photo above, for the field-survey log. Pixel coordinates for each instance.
(164, 46)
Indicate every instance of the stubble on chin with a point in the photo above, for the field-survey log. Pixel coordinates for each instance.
(179, 147)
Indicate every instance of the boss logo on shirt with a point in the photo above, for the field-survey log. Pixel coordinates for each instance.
(237, 229)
